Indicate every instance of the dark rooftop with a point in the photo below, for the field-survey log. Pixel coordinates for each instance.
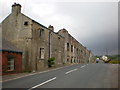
(8, 46)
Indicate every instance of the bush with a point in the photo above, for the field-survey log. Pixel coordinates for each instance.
(51, 61)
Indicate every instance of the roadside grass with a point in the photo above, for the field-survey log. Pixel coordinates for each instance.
(115, 61)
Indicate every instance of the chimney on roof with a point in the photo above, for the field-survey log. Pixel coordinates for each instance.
(16, 8)
(51, 27)
(64, 30)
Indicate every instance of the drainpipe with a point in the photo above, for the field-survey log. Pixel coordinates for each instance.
(49, 44)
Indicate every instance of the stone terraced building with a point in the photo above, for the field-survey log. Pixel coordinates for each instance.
(39, 43)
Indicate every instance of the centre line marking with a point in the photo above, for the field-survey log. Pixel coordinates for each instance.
(82, 66)
(71, 71)
(43, 83)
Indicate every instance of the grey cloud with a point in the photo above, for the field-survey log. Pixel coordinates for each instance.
(94, 24)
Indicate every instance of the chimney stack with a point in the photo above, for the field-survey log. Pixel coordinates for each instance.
(16, 8)
(51, 27)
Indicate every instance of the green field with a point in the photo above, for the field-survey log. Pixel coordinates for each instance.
(115, 61)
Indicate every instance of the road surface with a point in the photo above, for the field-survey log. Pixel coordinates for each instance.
(75, 76)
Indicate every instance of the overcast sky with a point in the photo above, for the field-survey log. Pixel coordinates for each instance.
(93, 24)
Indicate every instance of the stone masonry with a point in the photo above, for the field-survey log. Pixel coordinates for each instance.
(39, 43)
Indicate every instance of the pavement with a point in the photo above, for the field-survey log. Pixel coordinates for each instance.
(75, 76)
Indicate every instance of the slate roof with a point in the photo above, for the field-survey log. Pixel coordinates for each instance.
(8, 46)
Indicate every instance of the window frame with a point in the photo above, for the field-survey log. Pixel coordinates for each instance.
(42, 53)
(12, 67)
(68, 45)
(41, 33)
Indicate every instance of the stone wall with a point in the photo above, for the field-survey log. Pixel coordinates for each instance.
(74, 51)
(57, 48)
(40, 40)
(14, 30)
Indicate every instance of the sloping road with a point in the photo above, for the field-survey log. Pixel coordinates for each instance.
(75, 76)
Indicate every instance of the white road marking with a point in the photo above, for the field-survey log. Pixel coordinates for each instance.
(33, 74)
(71, 71)
(43, 83)
(82, 66)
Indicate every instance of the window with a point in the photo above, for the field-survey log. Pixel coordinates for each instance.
(67, 46)
(11, 64)
(26, 23)
(41, 33)
(77, 50)
(81, 51)
(67, 59)
(42, 53)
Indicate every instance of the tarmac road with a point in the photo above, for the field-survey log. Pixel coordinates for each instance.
(76, 76)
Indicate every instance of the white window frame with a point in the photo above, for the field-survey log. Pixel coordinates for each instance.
(11, 63)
